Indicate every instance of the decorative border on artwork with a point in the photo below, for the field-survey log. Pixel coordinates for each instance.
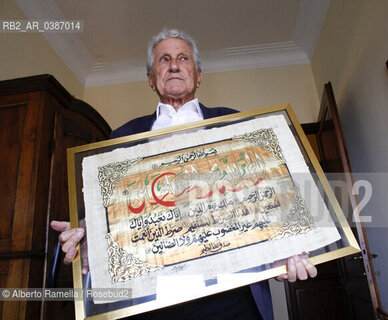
(124, 266)
(299, 220)
(264, 138)
(110, 174)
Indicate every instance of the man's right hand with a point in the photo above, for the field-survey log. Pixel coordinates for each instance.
(68, 239)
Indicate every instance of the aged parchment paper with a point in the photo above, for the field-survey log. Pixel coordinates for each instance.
(182, 205)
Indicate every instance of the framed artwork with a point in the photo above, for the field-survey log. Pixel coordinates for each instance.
(176, 214)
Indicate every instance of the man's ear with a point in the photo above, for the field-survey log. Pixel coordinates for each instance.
(151, 81)
(199, 78)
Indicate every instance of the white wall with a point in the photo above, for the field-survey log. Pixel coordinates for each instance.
(351, 53)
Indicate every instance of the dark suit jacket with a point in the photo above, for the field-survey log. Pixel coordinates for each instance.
(259, 290)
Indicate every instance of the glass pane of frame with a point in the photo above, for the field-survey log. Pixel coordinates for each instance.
(181, 213)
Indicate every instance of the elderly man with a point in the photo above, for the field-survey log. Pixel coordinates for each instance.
(174, 73)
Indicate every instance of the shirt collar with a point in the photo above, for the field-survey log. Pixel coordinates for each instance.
(191, 106)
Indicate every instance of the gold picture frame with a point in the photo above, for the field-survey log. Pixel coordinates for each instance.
(345, 245)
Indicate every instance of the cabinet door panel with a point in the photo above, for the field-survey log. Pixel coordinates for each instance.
(11, 143)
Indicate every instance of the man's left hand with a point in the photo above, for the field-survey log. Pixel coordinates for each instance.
(298, 268)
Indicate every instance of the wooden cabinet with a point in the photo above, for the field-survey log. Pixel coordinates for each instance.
(39, 120)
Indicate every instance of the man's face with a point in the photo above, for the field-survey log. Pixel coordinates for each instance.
(174, 75)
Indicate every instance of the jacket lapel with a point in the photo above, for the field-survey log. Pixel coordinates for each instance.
(205, 111)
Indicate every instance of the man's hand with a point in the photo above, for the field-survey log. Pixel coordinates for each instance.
(298, 268)
(68, 239)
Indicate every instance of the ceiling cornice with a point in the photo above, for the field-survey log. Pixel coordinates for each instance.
(228, 59)
(254, 57)
(310, 20)
(311, 17)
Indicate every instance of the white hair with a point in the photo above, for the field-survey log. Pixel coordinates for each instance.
(171, 33)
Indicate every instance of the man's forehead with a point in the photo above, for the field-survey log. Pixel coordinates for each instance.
(170, 45)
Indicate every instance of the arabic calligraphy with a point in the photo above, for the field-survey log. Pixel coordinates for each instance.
(156, 218)
(185, 205)
(186, 157)
(183, 184)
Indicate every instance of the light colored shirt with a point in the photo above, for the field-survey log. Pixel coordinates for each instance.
(166, 115)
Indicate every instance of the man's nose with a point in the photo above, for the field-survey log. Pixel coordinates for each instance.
(174, 65)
